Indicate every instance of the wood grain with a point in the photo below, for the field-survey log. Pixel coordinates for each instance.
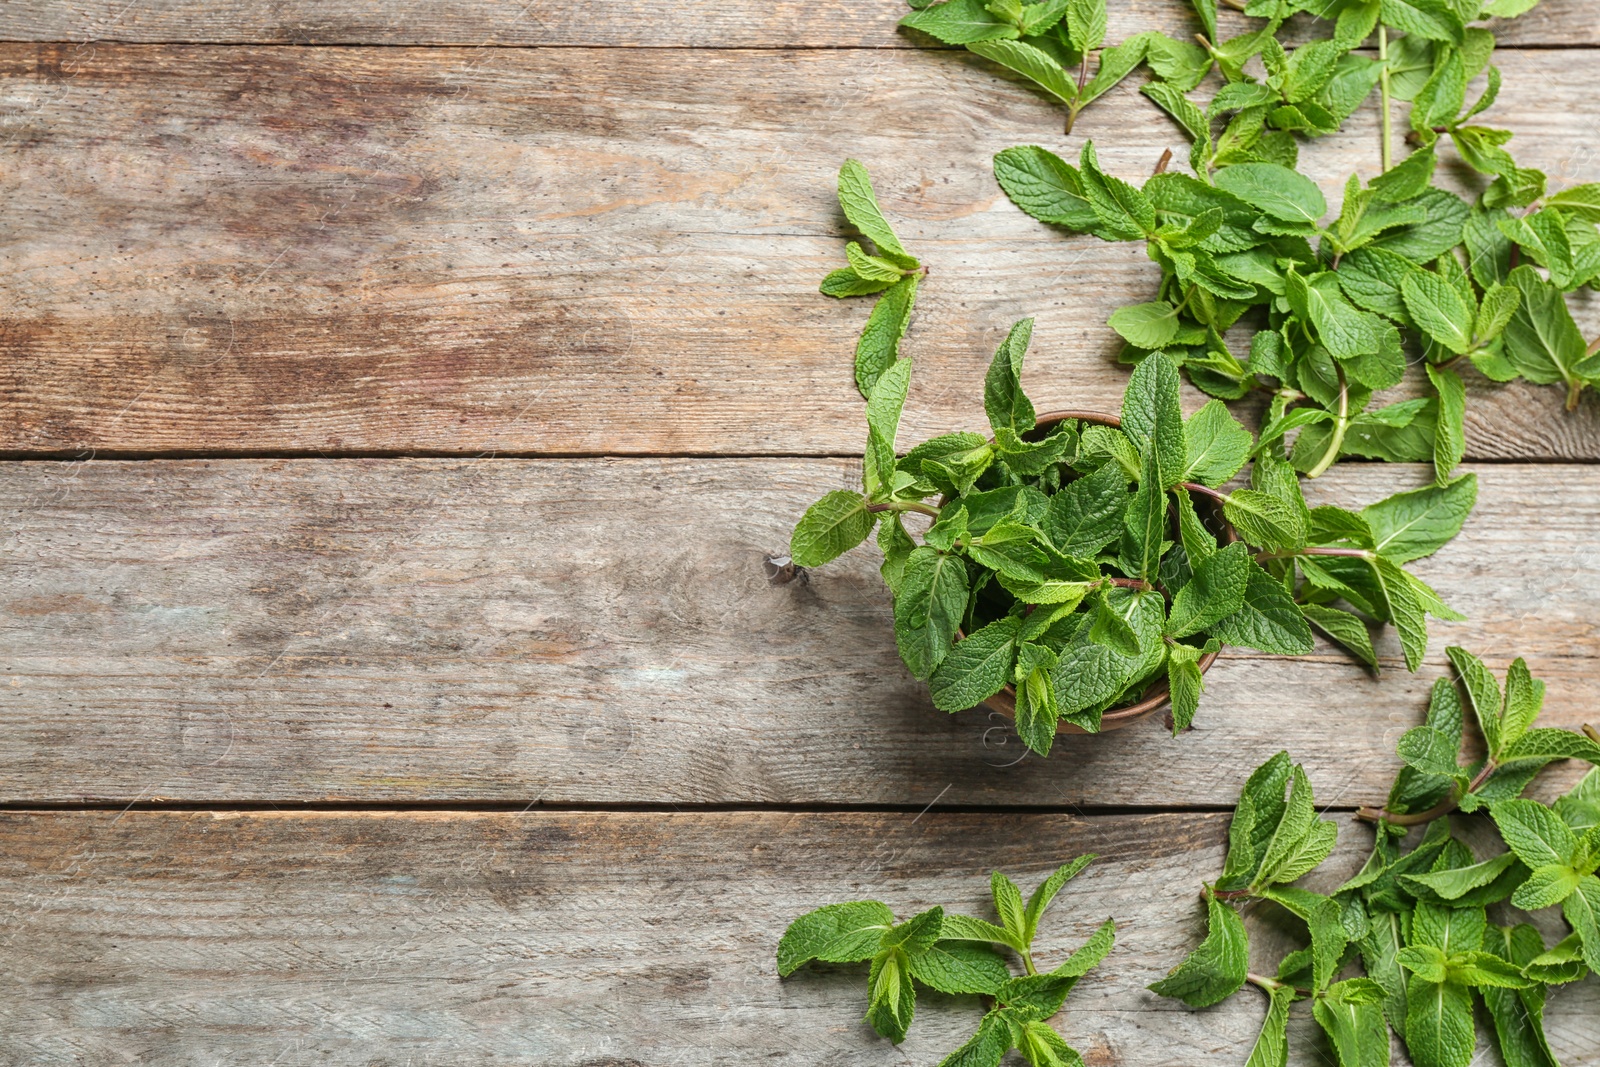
(728, 24)
(571, 250)
(602, 631)
(179, 938)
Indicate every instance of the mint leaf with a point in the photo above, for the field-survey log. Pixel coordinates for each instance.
(1450, 437)
(879, 345)
(1217, 446)
(1351, 1014)
(1007, 406)
(1217, 969)
(1419, 522)
(1542, 341)
(837, 933)
(1272, 1046)
(1216, 591)
(830, 527)
(1439, 1025)
(1438, 311)
(977, 668)
(1534, 832)
(1280, 192)
(860, 206)
(928, 610)
(1041, 897)
(961, 22)
(1152, 418)
(1045, 186)
(1268, 620)
(1086, 515)
(1185, 683)
(891, 997)
(960, 967)
(1345, 628)
(1035, 64)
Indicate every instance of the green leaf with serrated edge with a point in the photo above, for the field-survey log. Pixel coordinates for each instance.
(1482, 692)
(1546, 887)
(1216, 591)
(1542, 340)
(932, 600)
(1419, 522)
(1435, 20)
(1279, 191)
(1272, 1046)
(846, 282)
(1450, 437)
(1523, 698)
(1403, 608)
(1198, 542)
(837, 933)
(1152, 325)
(961, 22)
(1152, 418)
(1184, 684)
(891, 996)
(879, 345)
(1116, 63)
(960, 967)
(1268, 621)
(1086, 515)
(1144, 524)
(1534, 832)
(1088, 675)
(1427, 241)
(917, 933)
(1090, 953)
(860, 206)
(966, 928)
(1003, 400)
(1217, 446)
(1345, 628)
(896, 546)
(1040, 898)
(1431, 752)
(1379, 953)
(1298, 816)
(888, 399)
(1041, 1046)
(830, 527)
(1452, 884)
(1039, 17)
(1351, 1014)
(1008, 905)
(1217, 969)
(1438, 311)
(1035, 996)
(1255, 818)
(1086, 24)
(1518, 1015)
(1035, 64)
(1439, 1023)
(1582, 912)
(977, 668)
(1045, 186)
(986, 1048)
(870, 267)
(1125, 213)
(1551, 744)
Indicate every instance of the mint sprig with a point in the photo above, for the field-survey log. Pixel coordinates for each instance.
(1415, 921)
(957, 954)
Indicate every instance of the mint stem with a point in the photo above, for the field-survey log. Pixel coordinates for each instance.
(1438, 811)
(905, 505)
(1339, 428)
(1386, 91)
(1027, 963)
(1317, 550)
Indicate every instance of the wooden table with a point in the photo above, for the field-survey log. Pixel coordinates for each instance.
(398, 402)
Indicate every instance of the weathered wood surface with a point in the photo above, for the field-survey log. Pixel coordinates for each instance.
(614, 23)
(571, 250)
(324, 938)
(602, 631)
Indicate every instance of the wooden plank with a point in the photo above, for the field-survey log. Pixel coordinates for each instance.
(591, 631)
(571, 250)
(615, 23)
(176, 938)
